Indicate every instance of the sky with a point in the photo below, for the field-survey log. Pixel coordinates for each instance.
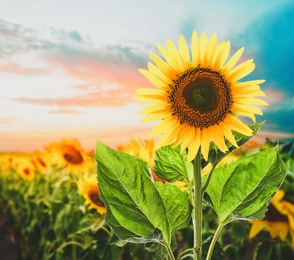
(69, 69)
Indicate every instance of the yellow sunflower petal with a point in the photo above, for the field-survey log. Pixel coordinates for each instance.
(283, 232)
(238, 108)
(195, 49)
(241, 93)
(175, 54)
(256, 227)
(158, 73)
(189, 134)
(240, 71)
(252, 101)
(273, 228)
(163, 66)
(218, 138)
(222, 56)
(156, 96)
(182, 129)
(188, 138)
(209, 51)
(194, 146)
(292, 236)
(157, 82)
(184, 51)
(161, 114)
(168, 57)
(249, 83)
(150, 92)
(228, 134)
(154, 108)
(205, 143)
(244, 90)
(278, 196)
(168, 137)
(202, 46)
(233, 60)
(163, 126)
(235, 124)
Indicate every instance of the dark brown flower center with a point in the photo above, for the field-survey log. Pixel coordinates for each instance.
(200, 97)
(72, 155)
(26, 171)
(273, 215)
(94, 197)
(41, 162)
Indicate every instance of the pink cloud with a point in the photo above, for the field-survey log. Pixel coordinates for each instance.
(65, 111)
(7, 120)
(96, 75)
(100, 98)
(18, 69)
(99, 72)
(273, 97)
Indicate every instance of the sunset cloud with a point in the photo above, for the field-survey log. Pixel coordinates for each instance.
(21, 70)
(73, 73)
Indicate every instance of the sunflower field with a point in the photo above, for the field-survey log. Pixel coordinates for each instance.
(205, 189)
(51, 207)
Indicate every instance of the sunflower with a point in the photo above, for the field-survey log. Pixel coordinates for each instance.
(198, 96)
(279, 219)
(22, 164)
(5, 162)
(142, 149)
(40, 161)
(69, 153)
(88, 188)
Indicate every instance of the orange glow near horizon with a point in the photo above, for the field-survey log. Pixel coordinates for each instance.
(29, 141)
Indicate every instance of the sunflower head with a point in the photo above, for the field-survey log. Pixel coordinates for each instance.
(41, 161)
(140, 148)
(69, 153)
(198, 95)
(88, 188)
(22, 164)
(278, 220)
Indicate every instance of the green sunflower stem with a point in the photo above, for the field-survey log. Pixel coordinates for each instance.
(214, 239)
(197, 215)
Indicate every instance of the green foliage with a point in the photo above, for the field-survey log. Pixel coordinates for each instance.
(138, 210)
(178, 207)
(217, 254)
(243, 189)
(170, 165)
(49, 219)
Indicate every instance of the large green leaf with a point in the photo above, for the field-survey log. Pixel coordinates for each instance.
(134, 207)
(170, 165)
(215, 155)
(177, 205)
(243, 189)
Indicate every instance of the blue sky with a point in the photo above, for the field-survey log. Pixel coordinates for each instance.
(70, 68)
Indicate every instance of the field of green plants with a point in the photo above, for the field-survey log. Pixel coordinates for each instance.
(50, 203)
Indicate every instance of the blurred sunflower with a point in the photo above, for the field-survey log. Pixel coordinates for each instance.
(70, 154)
(22, 164)
(141, 149)
(88, 188)
(198, 96)
(5, 162)
(144, 150)
(41, 161)
(278, 220)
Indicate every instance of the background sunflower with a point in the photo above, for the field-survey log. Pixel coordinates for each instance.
(88, 188)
